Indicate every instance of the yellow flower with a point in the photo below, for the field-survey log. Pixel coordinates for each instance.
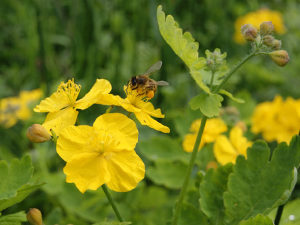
(226, 150)
(256, 18)
(17, 108)
(62, 104)
(102, 154)
(277, 120)
(142, 109)
(213, 128)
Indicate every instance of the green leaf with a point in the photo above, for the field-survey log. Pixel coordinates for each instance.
(163, 148)
(212, 187)
(183, 44)
(258, 220)
(209, 104)
(169, 174)
(229, 95)
(13, 219)
(192, 216)
(290, 214)
(113, 223)
(15, 181)
(258, 185)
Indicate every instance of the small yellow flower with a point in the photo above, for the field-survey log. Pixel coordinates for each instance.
(277, 120)
(17, 108)
(255, 19)
(213, 128)
(61, 105)
(226, 150)
(102, 154)
(142, 109)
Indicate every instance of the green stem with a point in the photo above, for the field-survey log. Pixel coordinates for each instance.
(188, 172)
(212, 79)
(232, 71)
(112, 202)
(278, 214)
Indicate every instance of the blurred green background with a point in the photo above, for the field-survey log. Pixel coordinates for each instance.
(45, 42)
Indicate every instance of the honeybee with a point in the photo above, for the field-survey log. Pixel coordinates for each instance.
(144, 85)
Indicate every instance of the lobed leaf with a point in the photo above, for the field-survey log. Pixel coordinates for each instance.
(13, 219)
(209, 104)
(258, 185)
(212, 187)
(192, 216)
(258, 220)
(183, 44)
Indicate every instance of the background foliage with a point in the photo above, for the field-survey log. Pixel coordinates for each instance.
(45, 42)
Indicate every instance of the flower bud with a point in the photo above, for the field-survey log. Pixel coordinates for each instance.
(268, 40)
(38, 134)
(280, 57)
(276, 44)
(34, 217)
(249, 32)
(266, 28)
(241, 125)
(211, 164)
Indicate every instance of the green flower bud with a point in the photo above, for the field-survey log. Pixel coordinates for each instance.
(276, 44)
(266, 28)
(38, 134)
(249, 32)
(280, 57)
(34, 217)
(268, 40)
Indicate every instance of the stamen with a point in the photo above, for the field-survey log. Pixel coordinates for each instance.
(70, 89)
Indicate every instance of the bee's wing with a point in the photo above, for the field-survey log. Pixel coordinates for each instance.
(155, 67)
(162, 83)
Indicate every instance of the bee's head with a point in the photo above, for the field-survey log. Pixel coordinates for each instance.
(133, 81)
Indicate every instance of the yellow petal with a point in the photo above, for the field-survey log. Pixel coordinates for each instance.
(126, 171)
(149, 109)
(120, 127)
(239, 142)
(61, 119)
(189, 142)
(74, 140)
(65, 95)
(224, 151)
(145, 119)
(87, 171)
(101, 87)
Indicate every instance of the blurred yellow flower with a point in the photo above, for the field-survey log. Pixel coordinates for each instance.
(226, 150)
(102, 154)
(256, 18)
(142, 109)
(277, 120)
(17, 108)
(213, 128)
(61, 105)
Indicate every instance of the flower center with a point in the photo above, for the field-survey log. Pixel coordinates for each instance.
(135, 95)
(70, 89)
(106, 143)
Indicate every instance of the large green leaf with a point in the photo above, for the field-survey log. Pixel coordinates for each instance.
(258, 220)
(209, 104)
(169, 174)
(192, 216)
(212, 187)
(183, 44)
(163, 148)
(15, 181)
(257, 185)
(13, 219)
(113, 223)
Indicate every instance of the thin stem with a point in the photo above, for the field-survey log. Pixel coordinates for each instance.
(212, 78)
(232, 71)
(112, 202)
(188, 172)
(278, 214)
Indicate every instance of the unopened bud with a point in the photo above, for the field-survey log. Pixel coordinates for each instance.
(249, 32)
(38, 134)
(241, 125)
(276, 44)
(211, 164)
(280, 57)
(266, 28)
(268, 40)
(34, 217)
